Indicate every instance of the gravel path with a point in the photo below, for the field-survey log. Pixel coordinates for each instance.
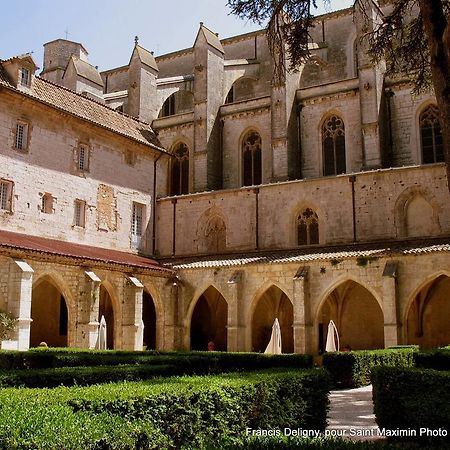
(351, 414)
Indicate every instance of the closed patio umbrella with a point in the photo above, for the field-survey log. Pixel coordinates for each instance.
(101, 340)
(274, 345)
(140, 335)
(332, 344)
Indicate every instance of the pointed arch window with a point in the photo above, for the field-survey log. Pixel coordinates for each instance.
(307, 227)
(333, 142)
(431, 136)
(180, 170)
(252, 161)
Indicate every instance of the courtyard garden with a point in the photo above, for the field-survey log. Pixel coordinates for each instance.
(73, 399)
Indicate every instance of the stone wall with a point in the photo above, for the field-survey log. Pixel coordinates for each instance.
(120, 173)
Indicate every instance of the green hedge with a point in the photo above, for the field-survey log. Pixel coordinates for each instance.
(352, 369)
(435, 359)
(83, 376)
(49, 358)
(412, 399)
(185, 412)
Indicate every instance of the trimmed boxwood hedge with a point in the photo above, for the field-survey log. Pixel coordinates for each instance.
(435, 359)
(69, 357)
(412, 398)
(352, 369)
(184, 412)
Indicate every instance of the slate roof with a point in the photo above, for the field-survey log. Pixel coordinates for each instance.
(10, 240)
(305, 255)
(86, 70)
(84, 108)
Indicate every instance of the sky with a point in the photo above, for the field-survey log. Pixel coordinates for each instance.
(107, 28)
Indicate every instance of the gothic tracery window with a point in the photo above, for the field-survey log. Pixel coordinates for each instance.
(180, 170)
(252, 161)
(307, 227)
(333, 142)
(431, 135)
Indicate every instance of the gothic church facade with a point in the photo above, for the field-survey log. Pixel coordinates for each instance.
(192, 193)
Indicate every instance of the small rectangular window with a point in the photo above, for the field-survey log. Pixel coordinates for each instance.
(47, 204)
(5, 195)
(21, 139)
(83, 158)
(80, 213)
(137, 222)
(24, 77)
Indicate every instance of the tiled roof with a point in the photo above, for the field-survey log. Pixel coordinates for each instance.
(19, 241)
(86, 70)
(305, 255)
(86, 109)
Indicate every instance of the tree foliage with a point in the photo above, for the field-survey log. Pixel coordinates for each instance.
(7, 325)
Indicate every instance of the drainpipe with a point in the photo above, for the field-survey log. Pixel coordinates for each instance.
(299, 137)
(256, 191)
(154, 205)
(352, 180)
(174, 203)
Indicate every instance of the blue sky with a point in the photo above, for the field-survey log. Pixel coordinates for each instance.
(107, 27)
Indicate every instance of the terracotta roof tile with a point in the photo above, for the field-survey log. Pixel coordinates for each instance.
(87, 109)
(377, 250)
(19, 241)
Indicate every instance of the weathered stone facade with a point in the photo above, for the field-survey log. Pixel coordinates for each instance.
(323, 197)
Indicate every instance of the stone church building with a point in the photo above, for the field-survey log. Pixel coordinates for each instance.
(193, 192)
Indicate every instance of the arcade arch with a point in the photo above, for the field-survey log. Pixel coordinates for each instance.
(273, 303)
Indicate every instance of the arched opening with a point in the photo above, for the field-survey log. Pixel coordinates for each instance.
(272, 304)
(252, 159)
(243, 89)
(179, 102)
(149, 319)
(357, 315)
(333, 145)
(50, 316)
(106, 309)
(179, 174)
(431, 135)
(428, 317)
(209, 321)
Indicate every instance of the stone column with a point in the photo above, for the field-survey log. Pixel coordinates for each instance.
(390, 304)
(172, 333)
(235, 327)
(19, 304)
(88, 307)
(302, 322)
(132, 337)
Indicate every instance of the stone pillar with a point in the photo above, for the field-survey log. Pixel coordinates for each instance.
(172, 333)
(19, 304)
(302, 320)
(390, 304)
(206, 160)
(371, 81)
(88, 307)
(235, 327)
(132, 336)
